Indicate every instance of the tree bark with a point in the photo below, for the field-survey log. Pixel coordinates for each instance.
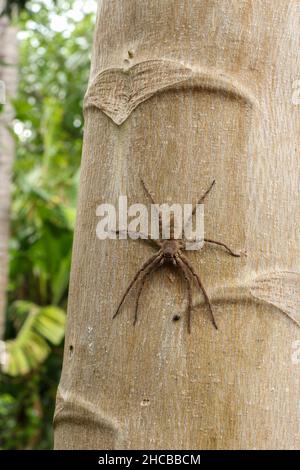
(181, 93)
(8, 76)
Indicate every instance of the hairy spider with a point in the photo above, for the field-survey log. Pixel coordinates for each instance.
(171, 252)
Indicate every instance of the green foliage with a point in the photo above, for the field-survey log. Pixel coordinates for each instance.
(30, 348)
(12, 411)
(54, 66)
(27, 407)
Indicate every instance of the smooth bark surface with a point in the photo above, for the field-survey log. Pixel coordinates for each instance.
(181, 93)
(8, 75)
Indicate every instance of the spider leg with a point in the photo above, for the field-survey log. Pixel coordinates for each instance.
(189, 287)
(204, 196)
(147, 192)
(201, 287)
(146, 238)
(157, 255)
(154, 203)
(207, 240)
(151, 268)
(201, 200)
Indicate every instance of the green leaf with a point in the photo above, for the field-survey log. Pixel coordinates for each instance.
(30, 348)
(61, 280)
(51, 324)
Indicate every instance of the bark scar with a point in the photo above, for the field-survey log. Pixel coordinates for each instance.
(118, 91)
(280, 289)
(75, 409)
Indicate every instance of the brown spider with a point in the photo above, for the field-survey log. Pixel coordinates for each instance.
(171, 251)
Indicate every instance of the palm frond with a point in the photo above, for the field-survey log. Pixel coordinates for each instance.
(43, 326)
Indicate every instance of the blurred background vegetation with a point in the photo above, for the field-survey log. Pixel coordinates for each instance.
(54, 60)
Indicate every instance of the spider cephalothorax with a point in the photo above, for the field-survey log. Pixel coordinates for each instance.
(171, 251)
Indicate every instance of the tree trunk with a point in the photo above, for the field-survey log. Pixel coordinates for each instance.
(8, 77)
(181, 93)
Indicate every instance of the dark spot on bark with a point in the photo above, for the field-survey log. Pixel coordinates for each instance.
(145, 402)
(71, 350)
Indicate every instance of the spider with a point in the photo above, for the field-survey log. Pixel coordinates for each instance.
(170, 251)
